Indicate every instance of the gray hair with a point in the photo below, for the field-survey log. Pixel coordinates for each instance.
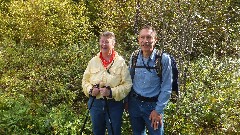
(148, 27)
(108, 34)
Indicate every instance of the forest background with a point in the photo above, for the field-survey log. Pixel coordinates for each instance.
(45, 46)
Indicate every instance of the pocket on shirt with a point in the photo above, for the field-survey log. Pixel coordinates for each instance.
(152, 78)
(139, 74)
(95, 70)
(96, 75)
(116, 70)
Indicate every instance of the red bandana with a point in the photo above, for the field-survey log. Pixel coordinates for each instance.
(105, 62)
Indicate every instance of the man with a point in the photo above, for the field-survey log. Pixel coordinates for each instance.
(150, 93)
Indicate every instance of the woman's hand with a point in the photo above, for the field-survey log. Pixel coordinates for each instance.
(105, 92)
(95, 91)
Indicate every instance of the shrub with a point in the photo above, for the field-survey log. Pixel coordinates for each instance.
(209, 104)
(48, 23)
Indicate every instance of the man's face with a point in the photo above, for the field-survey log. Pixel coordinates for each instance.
(106, 44)
(147, 39)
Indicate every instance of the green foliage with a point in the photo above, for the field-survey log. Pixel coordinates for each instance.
(53, 74)
(46, 23)
(45, 46)
(185, 26)
(20, 116)
(210, 103)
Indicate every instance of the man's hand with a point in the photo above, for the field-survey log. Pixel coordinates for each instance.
(156, 119)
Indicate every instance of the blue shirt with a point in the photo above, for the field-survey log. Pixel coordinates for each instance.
(147, 83)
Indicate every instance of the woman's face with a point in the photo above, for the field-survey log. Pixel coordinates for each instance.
(106, 44)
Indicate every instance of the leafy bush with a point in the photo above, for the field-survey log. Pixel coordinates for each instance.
(52, 74)
(209, 104)
(20, 116)
(45, 47)
(48, 23)
(183, 26)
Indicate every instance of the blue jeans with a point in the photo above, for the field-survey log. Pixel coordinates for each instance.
(100, 119)
(139, 113)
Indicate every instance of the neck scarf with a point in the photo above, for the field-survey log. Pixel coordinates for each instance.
(107, 62)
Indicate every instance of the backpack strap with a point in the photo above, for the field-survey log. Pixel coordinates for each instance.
(157, 67)
(158, 63)
(134, 58)
(134, 62)
(175, 73)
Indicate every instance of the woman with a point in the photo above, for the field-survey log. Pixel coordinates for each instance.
(106, 81)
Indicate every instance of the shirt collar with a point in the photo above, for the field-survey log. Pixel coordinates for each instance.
(152, 56)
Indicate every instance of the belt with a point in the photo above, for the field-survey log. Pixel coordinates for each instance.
(144, 99)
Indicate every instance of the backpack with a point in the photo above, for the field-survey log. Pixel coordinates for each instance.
(158, 68)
